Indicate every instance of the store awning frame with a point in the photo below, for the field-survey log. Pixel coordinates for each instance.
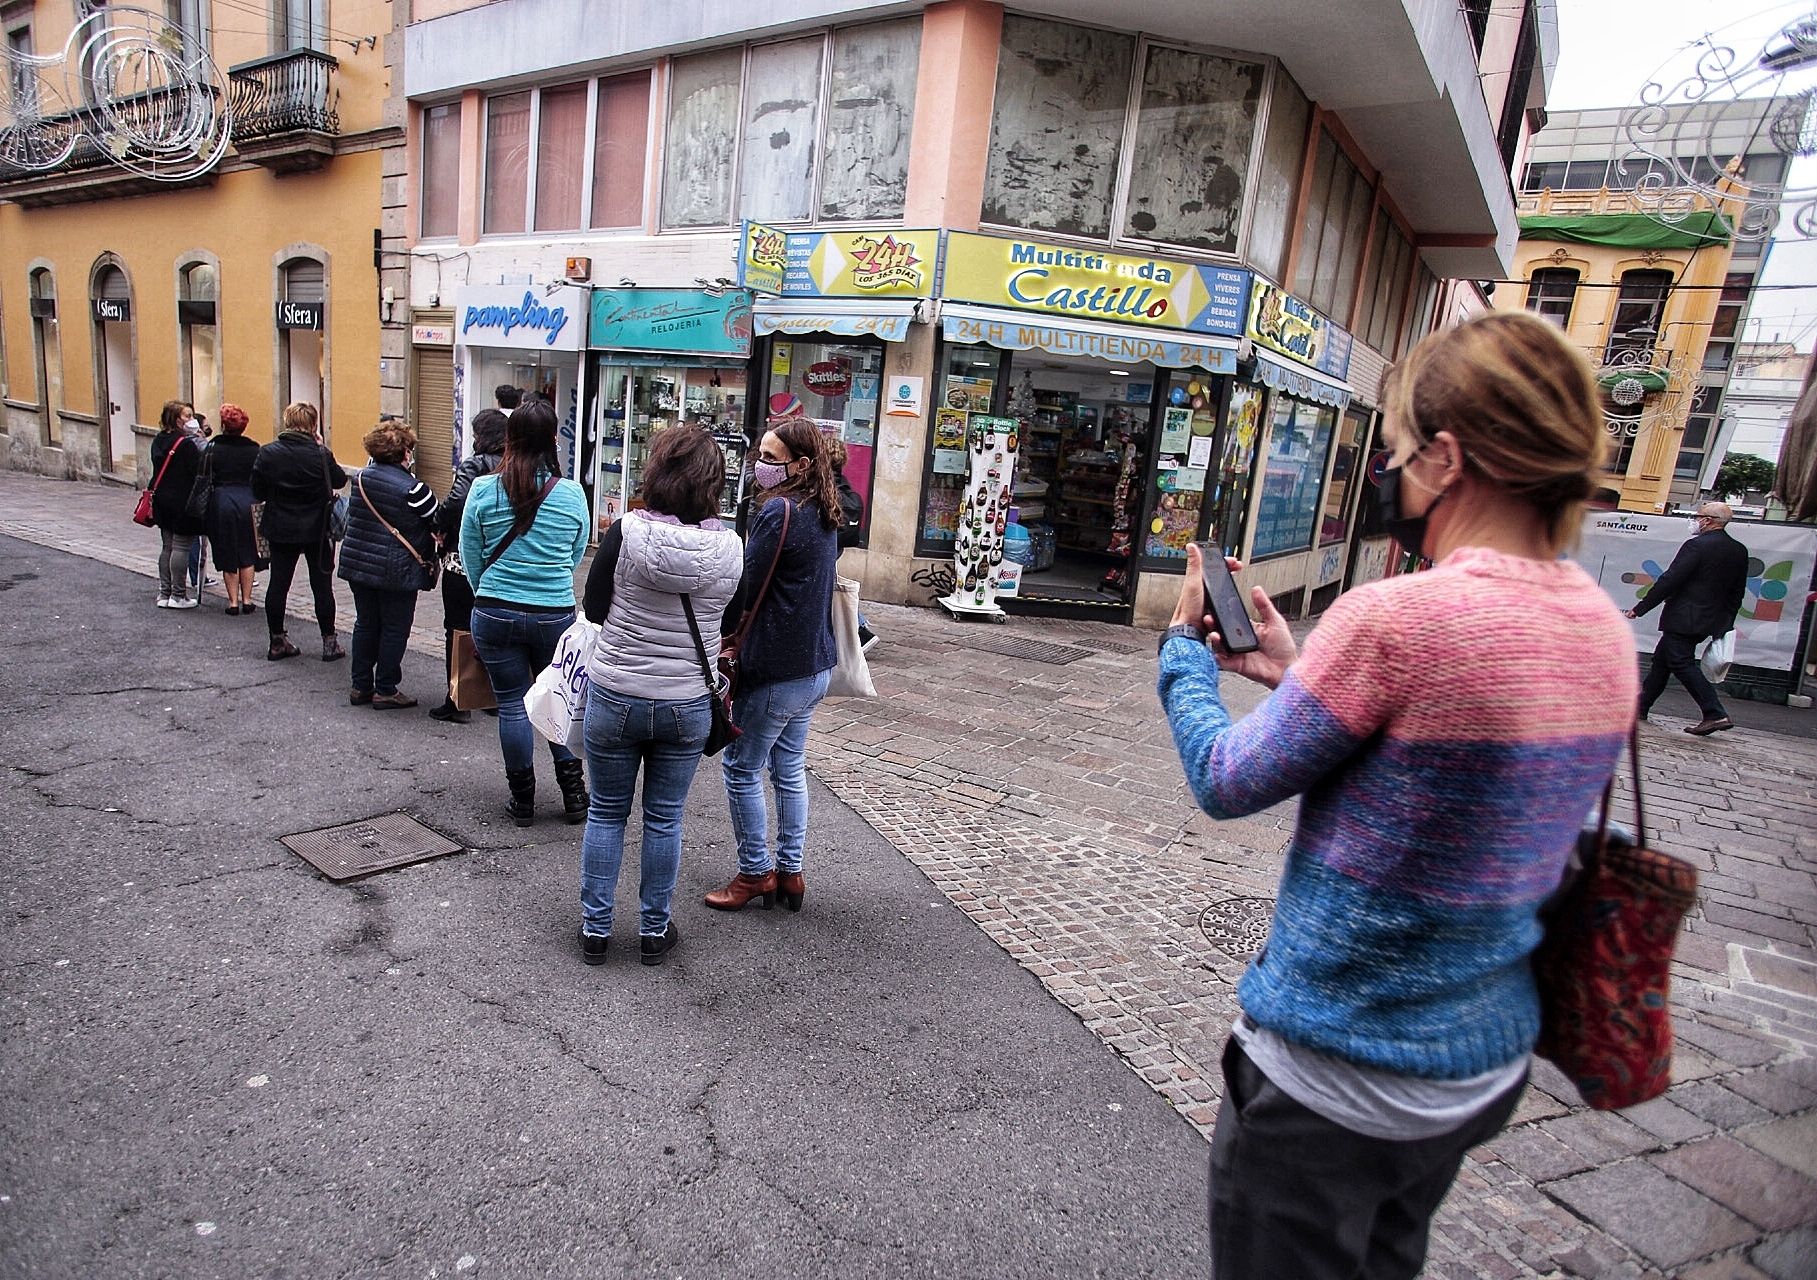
(1304, 383)
(1118, 344)
(888, 319)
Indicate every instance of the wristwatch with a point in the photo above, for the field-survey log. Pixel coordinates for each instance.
(1187, 629)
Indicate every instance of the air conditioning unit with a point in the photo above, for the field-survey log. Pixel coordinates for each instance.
(578, 270)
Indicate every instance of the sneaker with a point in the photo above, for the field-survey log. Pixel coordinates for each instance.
(183, 602)
(867, 639)
(163, 602)
(654, 949)
(592, 949)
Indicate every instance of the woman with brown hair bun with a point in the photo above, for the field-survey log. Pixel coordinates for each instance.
(663, 574)
(791, 559)
(1447, 732)
(231, 458)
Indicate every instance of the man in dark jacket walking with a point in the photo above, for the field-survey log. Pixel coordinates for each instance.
(1701, 592)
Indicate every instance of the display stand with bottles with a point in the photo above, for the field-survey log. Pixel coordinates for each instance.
(991, 444)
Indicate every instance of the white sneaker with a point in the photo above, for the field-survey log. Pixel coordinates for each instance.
(163, 602)
(184, 602)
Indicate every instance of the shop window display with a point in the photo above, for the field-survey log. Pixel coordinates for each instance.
(1183, 471)
(638, 401)
(1234, 470)
(837, 384)
(1299, 440)
(967, 385)
(1346, 456)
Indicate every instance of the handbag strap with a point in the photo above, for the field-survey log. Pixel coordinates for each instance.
(359, 482)
(327, 479)
(1608, 793)
(700, 646)
(750, 614)
(168, 459)
(519, 524)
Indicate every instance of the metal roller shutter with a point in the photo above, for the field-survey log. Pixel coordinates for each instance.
(111, 284)
(432, 416)
(304, 281)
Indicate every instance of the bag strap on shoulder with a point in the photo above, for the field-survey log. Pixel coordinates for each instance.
(168, 459)
(359, 482)
(750, 614)
(519, 525)
(700, 646)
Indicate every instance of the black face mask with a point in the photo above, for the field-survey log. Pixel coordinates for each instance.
(1409, 531)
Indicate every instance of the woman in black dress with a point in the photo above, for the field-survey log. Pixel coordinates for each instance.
(230, 533)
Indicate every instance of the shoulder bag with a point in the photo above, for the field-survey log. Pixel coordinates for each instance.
(729, 649)
(336, 523)
(202, 492)
(1603, 968)
(428, 564)
(141, 513)
(719, 692)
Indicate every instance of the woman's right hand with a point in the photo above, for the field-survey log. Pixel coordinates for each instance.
(1267, 664)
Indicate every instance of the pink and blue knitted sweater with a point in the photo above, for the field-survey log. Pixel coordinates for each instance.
(1448, 731)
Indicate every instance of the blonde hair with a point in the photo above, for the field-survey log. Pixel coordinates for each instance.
(300, 417)
(1521, 401)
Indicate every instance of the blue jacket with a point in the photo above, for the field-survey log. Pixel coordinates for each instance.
(791, 636)
(537, 569)
(371, 556)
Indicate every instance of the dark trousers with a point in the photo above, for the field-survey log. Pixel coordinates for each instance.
(319, 556)
(381, 629)
(1676, 655)
(1294, 1195)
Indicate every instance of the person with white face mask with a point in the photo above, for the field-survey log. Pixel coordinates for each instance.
(1702, 592)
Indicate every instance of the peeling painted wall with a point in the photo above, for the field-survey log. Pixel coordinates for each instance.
(781, 123)
(870, 109)
(703, 111)
(1193, 135)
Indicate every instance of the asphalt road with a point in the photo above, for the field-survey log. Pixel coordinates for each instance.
(214, 1062)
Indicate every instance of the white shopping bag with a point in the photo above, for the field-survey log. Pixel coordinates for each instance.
(557, 701)
(852, 677)
(1717, 655)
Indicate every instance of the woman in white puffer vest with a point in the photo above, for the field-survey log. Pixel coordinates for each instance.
(648, 706)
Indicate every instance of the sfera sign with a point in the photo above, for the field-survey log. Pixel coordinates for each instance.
(112, 309)
(299, 315)
(521, 317)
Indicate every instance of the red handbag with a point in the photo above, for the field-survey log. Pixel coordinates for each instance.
(141, 512)
(1604, 967)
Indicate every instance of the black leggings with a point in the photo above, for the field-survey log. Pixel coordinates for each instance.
(319, 556)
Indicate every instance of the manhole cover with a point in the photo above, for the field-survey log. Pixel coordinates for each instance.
(1237, 926)
(1034, 650)
(375, 844)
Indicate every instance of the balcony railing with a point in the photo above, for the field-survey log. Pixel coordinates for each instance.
(285, 92)
(130, 145)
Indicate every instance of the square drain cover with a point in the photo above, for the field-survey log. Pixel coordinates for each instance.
(376, 844)
(1034, 650)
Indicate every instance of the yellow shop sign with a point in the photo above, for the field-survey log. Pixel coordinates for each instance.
(838, 264)
(1090, 284)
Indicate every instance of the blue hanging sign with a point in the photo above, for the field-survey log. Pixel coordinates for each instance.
(688, 321)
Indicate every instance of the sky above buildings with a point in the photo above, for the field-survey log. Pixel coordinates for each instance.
(1609, 50)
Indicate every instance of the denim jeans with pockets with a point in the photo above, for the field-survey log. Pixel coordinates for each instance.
(775, 719)
(515, 645)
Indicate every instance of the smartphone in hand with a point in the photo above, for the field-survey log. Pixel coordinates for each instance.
(1226, 602)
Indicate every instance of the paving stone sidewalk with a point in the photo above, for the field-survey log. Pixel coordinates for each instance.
(1039, 791)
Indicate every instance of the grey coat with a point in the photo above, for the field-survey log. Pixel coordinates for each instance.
(644, 649)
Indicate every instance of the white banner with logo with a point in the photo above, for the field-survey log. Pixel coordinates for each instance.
(539, 317)
(1627, 553)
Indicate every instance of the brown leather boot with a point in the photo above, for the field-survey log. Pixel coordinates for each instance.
(742, 890)
(789, 888)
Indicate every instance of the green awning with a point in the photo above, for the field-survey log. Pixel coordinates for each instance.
(1626, 230)
(1649, 379)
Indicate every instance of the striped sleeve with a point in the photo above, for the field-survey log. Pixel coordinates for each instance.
(421, 500)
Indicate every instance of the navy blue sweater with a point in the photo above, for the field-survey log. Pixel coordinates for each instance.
(791, 637)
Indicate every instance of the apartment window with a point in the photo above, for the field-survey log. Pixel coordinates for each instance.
(1333, 230)
(441, 170)
(1424, 314)
(1476, 16)
(1546, 175)
(1520, 84)
(199, 332)
(1283, 155)
(1065, 98)
(1550, 293)
(791, 131)
(507, 162)
(23, 81)
(1638, 308)
(561, 156)
(621, 144)
(1385, 293)
(1725, 328)
(186, 16)
(1623, 425)
(1695, 447)
(300, 24)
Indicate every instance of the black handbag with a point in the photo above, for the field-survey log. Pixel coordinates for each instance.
(719, 693)
(202, 492)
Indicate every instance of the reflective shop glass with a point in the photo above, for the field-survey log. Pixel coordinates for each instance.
(839, 385)
(1293, 471)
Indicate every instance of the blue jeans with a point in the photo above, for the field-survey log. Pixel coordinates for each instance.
(516, 645)
(381, 630)
(774, 718)
(665, 738)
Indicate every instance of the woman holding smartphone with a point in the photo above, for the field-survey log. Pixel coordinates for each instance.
(1447, 748)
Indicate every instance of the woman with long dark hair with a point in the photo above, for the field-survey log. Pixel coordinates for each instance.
(791, 561)
(663, 575)
(176, 457)
(522, 534)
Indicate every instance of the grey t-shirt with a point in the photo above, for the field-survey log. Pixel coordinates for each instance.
(1376, 1104)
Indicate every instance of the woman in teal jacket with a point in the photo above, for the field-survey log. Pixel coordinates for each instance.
(522, 534)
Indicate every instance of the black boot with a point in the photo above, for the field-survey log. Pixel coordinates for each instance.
(574, 790)
(523, 795)
(447, 712)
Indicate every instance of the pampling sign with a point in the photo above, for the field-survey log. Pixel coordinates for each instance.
(1626, 554)
(514, 317)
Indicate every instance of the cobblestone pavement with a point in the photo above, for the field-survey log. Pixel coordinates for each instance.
(1039, 792)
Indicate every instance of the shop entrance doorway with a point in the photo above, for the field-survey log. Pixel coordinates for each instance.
(112, 308)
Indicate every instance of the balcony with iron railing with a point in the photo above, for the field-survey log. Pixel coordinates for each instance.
(130, 145)
(285, 115)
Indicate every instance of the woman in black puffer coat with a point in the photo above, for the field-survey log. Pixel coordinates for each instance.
(387, 557)
(295, 476)
(170, 504)
(457, 591)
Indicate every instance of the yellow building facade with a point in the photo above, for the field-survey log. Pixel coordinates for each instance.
(1638, 294)
(256, 281)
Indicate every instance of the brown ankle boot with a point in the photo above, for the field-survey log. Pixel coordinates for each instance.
(790, 888)
(742, 890)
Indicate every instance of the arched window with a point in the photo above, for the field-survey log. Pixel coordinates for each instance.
(302, 334)
(1550, 292)
(199, 335)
